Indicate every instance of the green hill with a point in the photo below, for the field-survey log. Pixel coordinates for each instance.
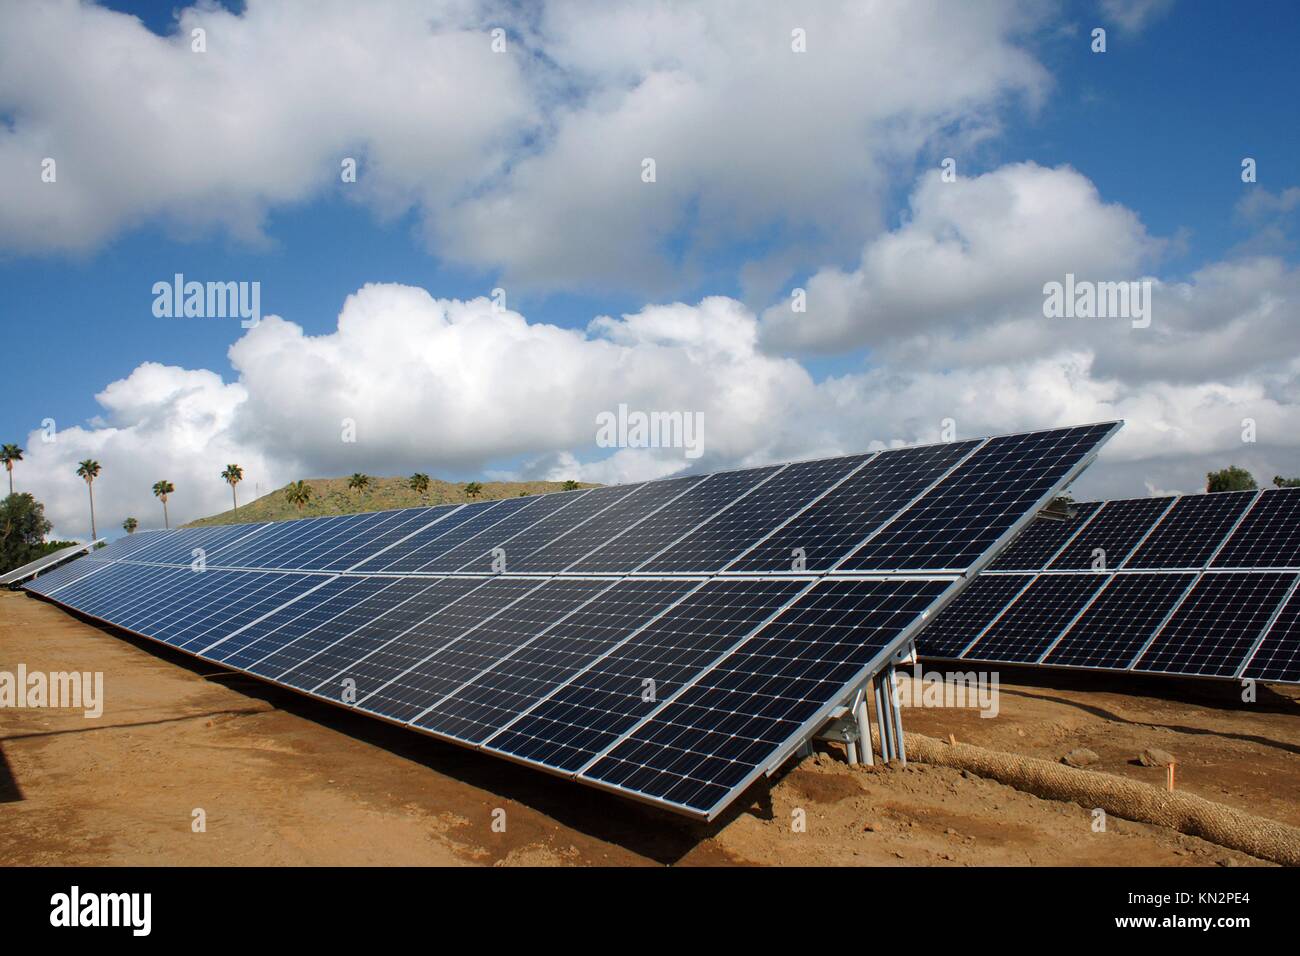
(331, 496)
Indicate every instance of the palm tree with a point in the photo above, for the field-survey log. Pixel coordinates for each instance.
(358, 482)
(129, 525)
(89, 470)
(420, 484)
(10, 454)
(233, 475)
(570, 485)
(161, 490)
(473, 489)
(298, 494)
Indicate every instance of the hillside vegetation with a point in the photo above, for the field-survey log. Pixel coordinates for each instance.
(331, 496)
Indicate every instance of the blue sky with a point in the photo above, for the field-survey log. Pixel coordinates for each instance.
(1158, 125)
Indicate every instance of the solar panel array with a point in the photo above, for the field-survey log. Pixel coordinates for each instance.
(45, 562)
(670, 640)
(1198, 585)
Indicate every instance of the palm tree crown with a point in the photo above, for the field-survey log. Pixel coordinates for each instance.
(9, 454)
(298, 494)
(162, 489)
(420, 483)
(129, 525)
(358, 481)
(473, 489)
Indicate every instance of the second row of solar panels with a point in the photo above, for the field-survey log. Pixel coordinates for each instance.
(1212, 624)
(1244, 529)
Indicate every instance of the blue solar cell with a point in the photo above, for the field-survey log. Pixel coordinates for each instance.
(1217, 625)
(737, 528)
(834, 525)
(1192, 530)
(1120, 621)
(1105, 542)
(50, 581)
(312, 610)
(721, 731)
(959, 623)
(1035, 546)
(568, 549)
(422, 547)
(636, 545)
(1035, 618)
(983, 499)
(1278, 656)
(478, 542)
(603, 702)
(1269, 535)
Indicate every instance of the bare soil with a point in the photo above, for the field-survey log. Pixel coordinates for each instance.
(284, 780)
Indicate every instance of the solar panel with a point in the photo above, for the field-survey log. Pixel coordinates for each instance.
(1120, 620)
(1190, 533)
(1269, 535)
(1037, 616)
(33, 568)
(1278, 656)
(394, 681)
(1214, 622)
(965, 618)
(477, 541)
(371, 542)
(600, 704)
(1217, 624)
(512, 687)
(719, 732)
(724, 537)
(570, 548)
(264, 546)
(381, 615)
(259, 595)
(179, 546)
(577, 656)
(591, 503)
(653, 534)
(1105, 541)
(129, 544)
(471, 715)
(427, 545)
(981, 501)
(834, 525)
(51, 581)
(1038, 543)
(316, 607)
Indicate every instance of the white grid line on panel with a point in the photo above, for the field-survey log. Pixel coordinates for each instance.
(875, 532)
(730, 504)
(816, 498)
(1263, 634)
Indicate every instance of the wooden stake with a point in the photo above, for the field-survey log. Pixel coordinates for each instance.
(952, 739)
(1170, 782)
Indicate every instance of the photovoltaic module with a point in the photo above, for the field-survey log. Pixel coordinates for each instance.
(671, 641)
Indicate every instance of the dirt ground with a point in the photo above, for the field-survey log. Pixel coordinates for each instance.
(283, 780)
